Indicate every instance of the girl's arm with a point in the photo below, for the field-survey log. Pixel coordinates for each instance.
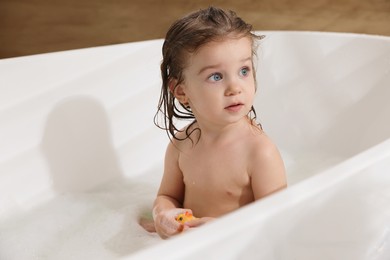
(170, 196)
(267, 169)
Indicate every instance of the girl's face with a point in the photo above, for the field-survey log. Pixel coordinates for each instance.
(219, 83)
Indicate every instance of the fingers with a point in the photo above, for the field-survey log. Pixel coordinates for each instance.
(169, 228)
(198, 222)
(166, 224)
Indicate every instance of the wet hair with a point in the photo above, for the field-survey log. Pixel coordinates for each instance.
(186, 36)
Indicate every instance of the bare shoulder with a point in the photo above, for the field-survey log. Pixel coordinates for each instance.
(262, 145)
(266, 166)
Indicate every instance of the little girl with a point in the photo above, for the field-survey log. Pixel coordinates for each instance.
(222, 160)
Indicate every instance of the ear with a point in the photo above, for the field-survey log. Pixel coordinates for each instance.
(178, 91)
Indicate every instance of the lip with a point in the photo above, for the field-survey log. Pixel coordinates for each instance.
(234, 107)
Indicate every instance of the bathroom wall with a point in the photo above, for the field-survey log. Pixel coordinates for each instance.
(38, 26)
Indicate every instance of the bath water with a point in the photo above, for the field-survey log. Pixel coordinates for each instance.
(99, 224)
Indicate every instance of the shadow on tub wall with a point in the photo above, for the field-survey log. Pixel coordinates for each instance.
(78, 147)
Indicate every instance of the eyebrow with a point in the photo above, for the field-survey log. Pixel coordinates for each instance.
(218, 65)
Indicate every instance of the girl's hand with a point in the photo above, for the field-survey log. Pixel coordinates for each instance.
(198, 222)
(166, 224)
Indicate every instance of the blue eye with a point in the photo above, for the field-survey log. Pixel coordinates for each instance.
(215, 77)
(244, 71)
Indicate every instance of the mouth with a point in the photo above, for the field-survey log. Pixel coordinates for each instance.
(234, 107)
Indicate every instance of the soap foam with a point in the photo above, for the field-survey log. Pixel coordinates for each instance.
(100, 224)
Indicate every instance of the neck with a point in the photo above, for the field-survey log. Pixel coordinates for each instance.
(217, 133)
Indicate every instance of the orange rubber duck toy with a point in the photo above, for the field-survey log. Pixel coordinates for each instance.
(185, 217)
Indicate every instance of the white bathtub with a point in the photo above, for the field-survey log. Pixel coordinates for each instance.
(80, 158)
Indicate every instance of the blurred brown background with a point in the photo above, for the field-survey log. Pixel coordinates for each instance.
(39, 26)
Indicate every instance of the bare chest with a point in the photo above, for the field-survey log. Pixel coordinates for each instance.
(220, 171)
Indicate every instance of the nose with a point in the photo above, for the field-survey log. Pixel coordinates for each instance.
(233, 88)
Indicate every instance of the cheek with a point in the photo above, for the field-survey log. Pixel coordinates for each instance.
(252, 94)
(205, 101)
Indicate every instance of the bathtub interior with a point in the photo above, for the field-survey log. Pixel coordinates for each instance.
(323, 97)
(80, 158)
